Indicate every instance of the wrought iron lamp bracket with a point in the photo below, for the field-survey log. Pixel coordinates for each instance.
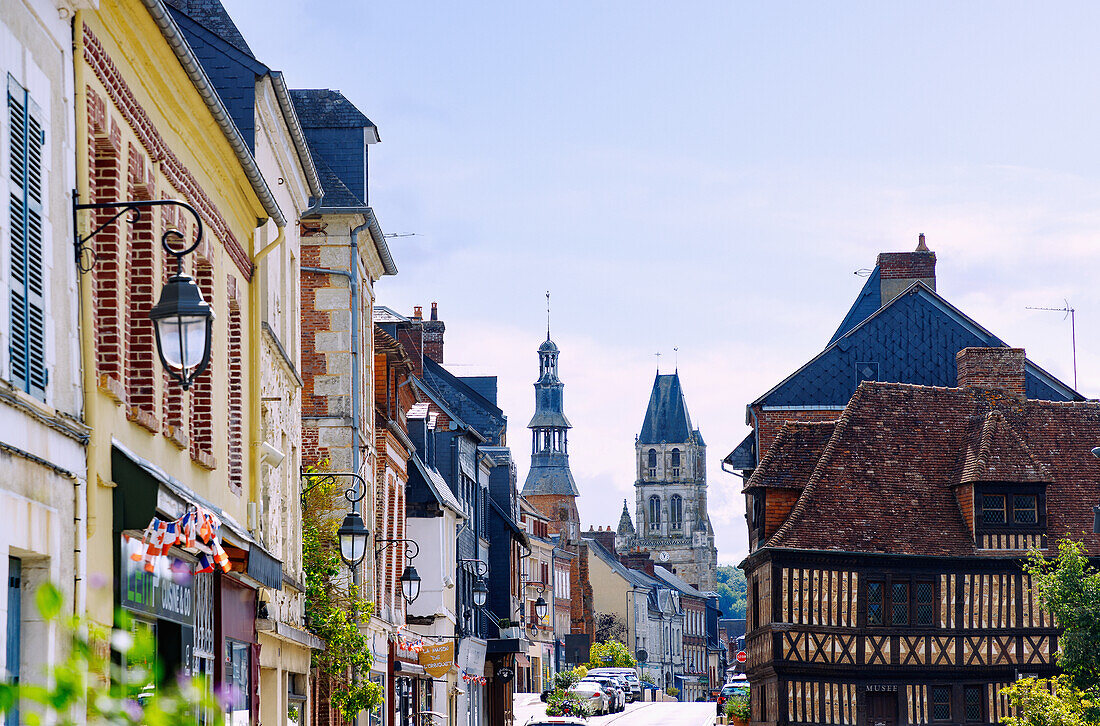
(328, 477)
(475, 566)
(86, 257)
(412, 549)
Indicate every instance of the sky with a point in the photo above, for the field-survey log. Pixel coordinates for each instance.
(709, 176)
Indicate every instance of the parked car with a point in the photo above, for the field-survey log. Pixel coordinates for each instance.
(615, 693)
(555, 721)
(631, 676)
(624, 684)
(593, 694)
(733, 689)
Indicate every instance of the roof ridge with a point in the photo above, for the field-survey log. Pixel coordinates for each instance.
(819, 468)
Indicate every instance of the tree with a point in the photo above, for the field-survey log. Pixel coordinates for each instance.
(610, 654)
(333, 606)
(609, 626)
(1070, 589)
(731, 591)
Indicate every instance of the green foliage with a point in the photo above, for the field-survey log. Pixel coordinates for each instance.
(1070, 589)
(89, 686)
(610, 654)
(556, 701)
(333, 605)
(564, 679)
(738, 708)
(609, 626)
(1053, 702)
(731, 591)
(672, 691)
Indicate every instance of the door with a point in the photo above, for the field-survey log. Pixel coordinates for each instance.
(882, 709)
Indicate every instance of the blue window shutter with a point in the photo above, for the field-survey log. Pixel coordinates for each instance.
(28, 312)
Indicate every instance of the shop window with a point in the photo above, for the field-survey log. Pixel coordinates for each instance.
(941, 703)
(238, 676)
(972, 703)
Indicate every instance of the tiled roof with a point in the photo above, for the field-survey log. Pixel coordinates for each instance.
(793, 456)
(328, 109)
(884, 482)
(211, 14)
(666, 417)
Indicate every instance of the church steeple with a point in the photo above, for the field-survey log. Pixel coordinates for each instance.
(549, 472)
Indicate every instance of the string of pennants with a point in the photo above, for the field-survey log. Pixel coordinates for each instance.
(469, 677)
(411, 645)
(196, 532)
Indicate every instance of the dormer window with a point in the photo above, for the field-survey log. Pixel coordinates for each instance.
(1010, 508)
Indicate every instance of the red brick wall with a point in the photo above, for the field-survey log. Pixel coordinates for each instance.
(778, 504)
(552, 506)
(139, 297)
(768, 424)
(200, 418)
(236, 393)
(906, 265)
(964, 495)
(993, 368)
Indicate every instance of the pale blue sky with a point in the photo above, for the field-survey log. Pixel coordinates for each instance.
(709, 176)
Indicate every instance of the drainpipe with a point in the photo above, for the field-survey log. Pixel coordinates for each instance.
(353, 282)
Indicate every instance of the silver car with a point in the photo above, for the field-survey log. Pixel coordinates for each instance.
(613, 689)
(593, 695)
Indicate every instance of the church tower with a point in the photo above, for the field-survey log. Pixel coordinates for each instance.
(671, 490)
(550, 487)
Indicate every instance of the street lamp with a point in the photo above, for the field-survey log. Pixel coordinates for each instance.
(540, 608)
(353, 539)
(182, 320)
(410, 583)
(481, 592)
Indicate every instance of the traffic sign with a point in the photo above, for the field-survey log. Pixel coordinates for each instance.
(742, 656)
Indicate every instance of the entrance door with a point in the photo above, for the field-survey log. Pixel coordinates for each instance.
(882, 709)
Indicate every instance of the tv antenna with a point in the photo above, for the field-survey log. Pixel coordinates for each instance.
(393, 235)
(1071, 314)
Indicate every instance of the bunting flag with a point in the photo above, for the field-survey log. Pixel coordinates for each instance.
(195, 532)
(470, 678)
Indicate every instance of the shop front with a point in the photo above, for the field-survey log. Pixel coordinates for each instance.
(412, 693)
(471, 684)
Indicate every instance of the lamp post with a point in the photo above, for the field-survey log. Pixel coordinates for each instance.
(182, 320)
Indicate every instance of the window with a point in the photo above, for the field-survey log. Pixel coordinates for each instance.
(941, 703)
(972, 703)
(651, 462)
(875, 603)
(993, 509)
(926, 612)
(676, 512)
(899, 602)
(758, 498)
(27, 347)
(654, 512)
(1025, 509)
(675, 463)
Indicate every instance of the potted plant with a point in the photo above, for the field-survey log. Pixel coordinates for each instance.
(738, 711)
(509, 629)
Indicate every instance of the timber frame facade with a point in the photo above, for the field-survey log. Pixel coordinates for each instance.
(820, 652)
(885, 582)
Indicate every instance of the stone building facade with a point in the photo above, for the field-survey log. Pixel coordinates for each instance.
(671, 491)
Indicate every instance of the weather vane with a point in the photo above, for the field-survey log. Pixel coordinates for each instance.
(658, 356)
(548, 315)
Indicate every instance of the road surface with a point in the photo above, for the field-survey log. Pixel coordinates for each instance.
(636, 714)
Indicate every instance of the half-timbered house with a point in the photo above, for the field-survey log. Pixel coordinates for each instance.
(884, 580)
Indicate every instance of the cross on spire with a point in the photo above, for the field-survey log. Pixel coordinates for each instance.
(657, 355)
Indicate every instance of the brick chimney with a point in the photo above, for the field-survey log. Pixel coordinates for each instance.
(604, 537)
(637, 561)
(433, 336)
(899, 270)
(998, 369)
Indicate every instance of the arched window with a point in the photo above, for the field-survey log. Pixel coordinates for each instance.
(676, 512)
(651, 462)
(655, 512)
(675, 463)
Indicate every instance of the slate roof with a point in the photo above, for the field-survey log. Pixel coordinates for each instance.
(666, 417)
(744, 455)
(383, 314)
(212, 15)
(676, 582)
(435, 483)
(327, 109)
(336, 192)
(476, 410)
(792, 457)
(867, 304)
(552, 478)
(634, 577)
(885, 480)
(912, 339)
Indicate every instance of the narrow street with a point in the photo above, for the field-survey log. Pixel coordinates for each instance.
(641, 713)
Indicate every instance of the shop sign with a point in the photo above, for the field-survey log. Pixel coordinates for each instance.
(166, 593)
(882, 688)
(437, 659)
(505, 674)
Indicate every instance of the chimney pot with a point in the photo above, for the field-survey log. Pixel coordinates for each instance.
(998, 369)
(921, 246)
(418, 312)
(435, 311)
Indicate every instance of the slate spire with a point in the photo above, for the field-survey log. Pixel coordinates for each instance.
(549, 473)
(666, 418)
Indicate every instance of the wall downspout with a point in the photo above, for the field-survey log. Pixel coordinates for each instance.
(255, 429)
(85, 496)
